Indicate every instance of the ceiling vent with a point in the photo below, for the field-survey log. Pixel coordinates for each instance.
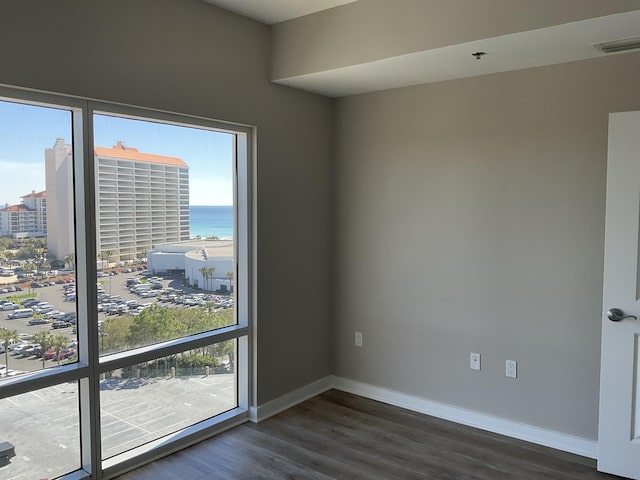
(623, 45)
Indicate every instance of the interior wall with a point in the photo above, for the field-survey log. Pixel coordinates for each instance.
(189, 57)
(471, 219)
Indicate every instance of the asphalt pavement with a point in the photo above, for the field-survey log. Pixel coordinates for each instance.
(44, 425)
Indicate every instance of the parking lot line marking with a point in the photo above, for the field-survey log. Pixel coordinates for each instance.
(119, 432)
(146, 412)
(159, 418)
(185, 423)
(120, 447)
(141, 404)
(37, 396)
(14, 402)
(127, 422)
(65, 417)
(104, 405)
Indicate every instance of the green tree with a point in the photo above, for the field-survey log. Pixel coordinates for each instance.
(5, 242)
(154, 325)
(115, 333)
(6, 337)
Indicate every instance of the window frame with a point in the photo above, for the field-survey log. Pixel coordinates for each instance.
(90, 365)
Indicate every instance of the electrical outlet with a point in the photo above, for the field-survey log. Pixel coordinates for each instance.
(474, 361)
(358, 339)
(511, 369)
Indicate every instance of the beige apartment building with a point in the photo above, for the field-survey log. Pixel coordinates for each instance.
(142, 200)
(26, 219)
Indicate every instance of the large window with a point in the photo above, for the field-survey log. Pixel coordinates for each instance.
(124, 284)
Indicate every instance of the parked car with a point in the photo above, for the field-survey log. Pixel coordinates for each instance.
(15, 347)
(49, 354)
(22, 348)
(65, 353)
(40, 309)
(21, 313)
(10, 306)
(29, 351)
(37, 321)
(60, 324)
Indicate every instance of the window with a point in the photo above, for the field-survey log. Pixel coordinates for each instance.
(124, 283)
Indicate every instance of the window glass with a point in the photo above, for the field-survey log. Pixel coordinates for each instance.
(164, 268)
(147, 401)
(165, 239)
(37, 250)
(39, 437)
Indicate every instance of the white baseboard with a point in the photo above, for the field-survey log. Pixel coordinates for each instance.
(291, 399)
(509, 428)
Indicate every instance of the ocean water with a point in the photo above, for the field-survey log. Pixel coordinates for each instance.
(209, 221)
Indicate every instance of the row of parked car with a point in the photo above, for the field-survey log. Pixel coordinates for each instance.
(11, 289)
(26, 350)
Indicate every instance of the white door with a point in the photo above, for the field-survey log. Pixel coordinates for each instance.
(619, 430)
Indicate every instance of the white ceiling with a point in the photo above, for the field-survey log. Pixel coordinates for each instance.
(546, 46)
(274, 11)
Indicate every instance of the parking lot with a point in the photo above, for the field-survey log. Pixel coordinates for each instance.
(134, 410)
(115, 298)
(44, 425)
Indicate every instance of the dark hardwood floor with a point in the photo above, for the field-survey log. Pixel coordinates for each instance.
(341, 436)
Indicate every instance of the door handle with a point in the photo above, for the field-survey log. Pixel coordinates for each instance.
(616, 315)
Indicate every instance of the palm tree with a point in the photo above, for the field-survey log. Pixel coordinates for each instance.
(45, 339)
(207, 274)
(104, 255)
(7, 336)
(230, 275)
(70, 260)
(58, 342)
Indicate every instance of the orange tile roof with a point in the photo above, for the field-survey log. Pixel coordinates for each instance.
(17, 208)
(129, 153)
(42, 194)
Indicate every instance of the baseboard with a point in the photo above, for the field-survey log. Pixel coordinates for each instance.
(509, 428)
(291, 399)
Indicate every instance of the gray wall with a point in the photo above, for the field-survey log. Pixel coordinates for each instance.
(471, 219)
(189, 57)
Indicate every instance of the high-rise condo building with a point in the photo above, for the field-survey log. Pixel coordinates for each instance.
(142, 200)
(26, 219)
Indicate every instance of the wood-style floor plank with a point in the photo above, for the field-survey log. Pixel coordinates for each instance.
(341, 436)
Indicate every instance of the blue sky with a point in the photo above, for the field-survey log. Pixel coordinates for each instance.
(25, 132)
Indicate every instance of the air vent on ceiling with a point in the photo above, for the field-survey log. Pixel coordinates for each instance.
(622, 45)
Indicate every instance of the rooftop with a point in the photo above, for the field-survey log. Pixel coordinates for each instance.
(16, 208)
(121, 152)
(33, 194)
